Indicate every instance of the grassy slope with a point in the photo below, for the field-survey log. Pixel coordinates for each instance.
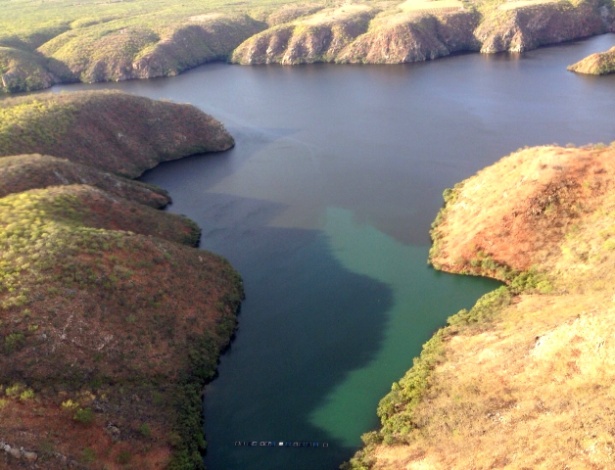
(523, 380)
(101, 129)
(55, 42)
(596, 64)
(110, 322)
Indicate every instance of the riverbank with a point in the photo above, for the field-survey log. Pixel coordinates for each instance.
(108, 42)
(532, 360)
(112, 321)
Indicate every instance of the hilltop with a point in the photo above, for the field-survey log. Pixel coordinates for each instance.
(57, 43)
(111, 320)
(524, 379)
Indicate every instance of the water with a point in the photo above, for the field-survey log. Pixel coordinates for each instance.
(324, 206)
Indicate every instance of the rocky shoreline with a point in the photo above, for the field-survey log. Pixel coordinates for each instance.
(373, 33)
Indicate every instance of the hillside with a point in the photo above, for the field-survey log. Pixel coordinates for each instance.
(110, 320)
(57, 43)
(22, 172)
(602, 63)
(524, 379)
(110, 131)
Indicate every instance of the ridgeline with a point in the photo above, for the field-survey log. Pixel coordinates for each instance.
(57, 43)
(111, 320)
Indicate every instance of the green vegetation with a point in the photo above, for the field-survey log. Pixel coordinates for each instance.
(596, 64)
(99, 129)
(106, 307)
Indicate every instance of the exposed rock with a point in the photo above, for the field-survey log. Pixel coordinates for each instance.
(383, 33)
(520, 28)
(31, 457)
(413, 38)
(14, 452)
(317, 38)
(23, 71)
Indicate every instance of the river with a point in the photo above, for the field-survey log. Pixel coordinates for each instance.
(324, 206)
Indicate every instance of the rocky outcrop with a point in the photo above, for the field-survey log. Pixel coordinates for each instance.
(22, 71)
(418, 31)
(200, 40)
(524, 27)
(596, 64)
(317, 38)
(413, 38)
(381, 33)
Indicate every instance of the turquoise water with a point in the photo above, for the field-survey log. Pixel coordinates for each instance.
(324, 206)
(418, 294)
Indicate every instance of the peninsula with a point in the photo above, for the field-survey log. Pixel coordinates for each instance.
(523, 379)
(112, 321)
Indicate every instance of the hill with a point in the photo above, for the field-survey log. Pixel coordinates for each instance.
(110, 320)
(57, 43)
(523, 379)
(22, 172)
(108, 130)
(602, 63)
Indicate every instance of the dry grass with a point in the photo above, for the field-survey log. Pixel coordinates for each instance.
(532, 387)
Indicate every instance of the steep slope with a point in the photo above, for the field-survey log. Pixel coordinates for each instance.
(520, 26)
(316, 38)
(108, 332)
(109, 52)
(111, 131)
(524, 379)
(415, 36)
(110, 42)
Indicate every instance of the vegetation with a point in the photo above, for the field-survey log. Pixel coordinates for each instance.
(596, 64)
(99, 129)
(55, 42)
(23, 172)
(110, 321)
(530, 360)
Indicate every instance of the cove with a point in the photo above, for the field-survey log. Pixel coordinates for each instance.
(324, 206)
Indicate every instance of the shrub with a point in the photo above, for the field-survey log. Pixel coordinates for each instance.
(84, 416)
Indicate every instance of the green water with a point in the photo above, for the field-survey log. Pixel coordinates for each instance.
(419, 298)
(324, 206)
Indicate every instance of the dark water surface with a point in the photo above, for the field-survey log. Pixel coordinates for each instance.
(324, 206)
